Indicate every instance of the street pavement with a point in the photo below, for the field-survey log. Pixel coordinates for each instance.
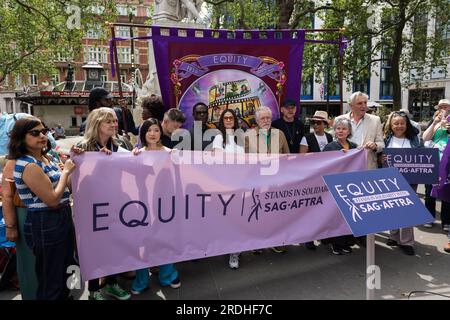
(303, 274)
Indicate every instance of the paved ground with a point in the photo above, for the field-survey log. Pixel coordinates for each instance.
(303, 274)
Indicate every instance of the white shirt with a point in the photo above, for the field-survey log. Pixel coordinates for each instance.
(230, 147)
(357, 132)
(321, 140)
(399, 143)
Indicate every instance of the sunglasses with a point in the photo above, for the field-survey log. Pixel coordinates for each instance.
(317, 122)
(36, 133)
(400, 113)
(228, 118)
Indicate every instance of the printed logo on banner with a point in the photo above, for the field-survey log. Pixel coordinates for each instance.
(417, 165)
(376, 200)
(252, 205)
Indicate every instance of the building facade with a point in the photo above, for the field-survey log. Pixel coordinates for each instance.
(44, 98)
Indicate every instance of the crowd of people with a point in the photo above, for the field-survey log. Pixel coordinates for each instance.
(36, 184)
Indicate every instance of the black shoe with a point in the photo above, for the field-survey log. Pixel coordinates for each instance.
(392, 243)
(347, 249)
(310, 245)
(336, 250)
(408, 250)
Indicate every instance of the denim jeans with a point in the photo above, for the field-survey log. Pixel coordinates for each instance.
(50, 234)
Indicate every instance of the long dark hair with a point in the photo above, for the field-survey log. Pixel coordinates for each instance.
(222, 124)
(17, 145)
(144, 128)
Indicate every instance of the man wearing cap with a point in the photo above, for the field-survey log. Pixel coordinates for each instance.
(366, 128)
(293, 129)
(100, 97)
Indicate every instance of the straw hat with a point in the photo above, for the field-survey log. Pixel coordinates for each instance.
(320, 116)
(441, 103)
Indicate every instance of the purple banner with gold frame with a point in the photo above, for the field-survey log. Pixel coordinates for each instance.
(240, 70)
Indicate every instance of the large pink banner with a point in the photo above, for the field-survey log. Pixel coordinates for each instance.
(133, 212)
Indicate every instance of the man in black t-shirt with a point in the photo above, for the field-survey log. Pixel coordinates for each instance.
(292, 128)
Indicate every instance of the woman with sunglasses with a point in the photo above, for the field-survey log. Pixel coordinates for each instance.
(317, 140)
(400, 133)
(43, 188)
(227, 142)
(150, 136)
(100, 136)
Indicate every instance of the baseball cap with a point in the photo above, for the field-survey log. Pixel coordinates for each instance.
(97, 94)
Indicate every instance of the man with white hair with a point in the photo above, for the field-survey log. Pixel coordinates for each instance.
(264, 138)
(367, 131)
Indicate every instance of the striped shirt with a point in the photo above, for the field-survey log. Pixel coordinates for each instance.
(30, 200)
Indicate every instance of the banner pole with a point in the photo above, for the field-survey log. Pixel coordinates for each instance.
(370, 261)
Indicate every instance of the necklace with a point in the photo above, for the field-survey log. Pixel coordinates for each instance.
(290, 135)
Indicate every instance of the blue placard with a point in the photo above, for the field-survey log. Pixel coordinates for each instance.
(418, 165)
(376, 200)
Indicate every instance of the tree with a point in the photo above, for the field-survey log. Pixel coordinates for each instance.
(371, 26)
(33, 32)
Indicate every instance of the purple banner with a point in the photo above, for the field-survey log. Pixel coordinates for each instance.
(189, 68)
(133, 212)
(442, 190)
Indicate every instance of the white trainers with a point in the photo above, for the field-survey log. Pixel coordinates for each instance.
(234, 261)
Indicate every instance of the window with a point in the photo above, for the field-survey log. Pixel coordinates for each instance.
(63, 57)
(386, 89)
(97, 54)
(307, 87)
(33, 80)
(123, 32)
(443, 31)
(419, 34)
(438, 72)
(126, 10)
(96, 9)
(125, 55)
(83, 119)
(104, 77)
(18, 81)
(55, 79)
(123, 78)
(74, 122)
(94, 33)
(361, 84)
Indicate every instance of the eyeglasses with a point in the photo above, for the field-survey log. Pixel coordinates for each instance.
(36, 133)
(228, 118)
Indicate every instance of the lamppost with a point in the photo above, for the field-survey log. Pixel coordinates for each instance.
(327, 80)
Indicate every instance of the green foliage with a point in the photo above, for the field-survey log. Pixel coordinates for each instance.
(33, 32)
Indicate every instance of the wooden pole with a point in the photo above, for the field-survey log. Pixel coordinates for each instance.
(119, 81)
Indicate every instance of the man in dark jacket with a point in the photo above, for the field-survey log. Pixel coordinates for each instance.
(292, 128)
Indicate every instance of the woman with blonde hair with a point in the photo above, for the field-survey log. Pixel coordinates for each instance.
(100, 136)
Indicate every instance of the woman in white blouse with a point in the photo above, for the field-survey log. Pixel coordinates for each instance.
(228, 142)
